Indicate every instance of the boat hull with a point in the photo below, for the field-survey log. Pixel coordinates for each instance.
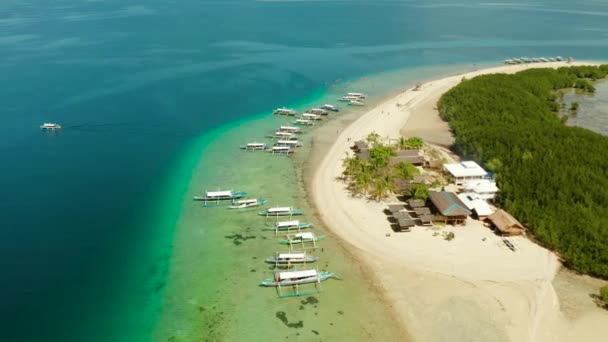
(288, 262)
(260, 202)
(299, 242)
(292, 213)
(322, 277)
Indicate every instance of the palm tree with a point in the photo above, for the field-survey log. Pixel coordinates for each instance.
(373, 138)
(382, 187)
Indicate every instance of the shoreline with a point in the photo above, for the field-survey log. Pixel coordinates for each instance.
(467, 289)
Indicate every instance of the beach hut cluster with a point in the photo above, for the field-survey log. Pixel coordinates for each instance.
(472, 193)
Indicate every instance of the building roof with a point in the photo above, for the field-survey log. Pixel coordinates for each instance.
(408, 153)
(393, 208)
(415, 203)
(474, 203)
(364, 154)
(401, 215)
(427, 218)
(406, 223)
(448, 204)
(465, 169)
(416, 160)
(361, 145)
(504, 221)
(422, 211)
(401, 184)
(481, 186)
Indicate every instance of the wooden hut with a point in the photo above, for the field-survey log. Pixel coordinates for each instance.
(415, 203)
(450, 207)
(360, 145)
(402, 187)
(426, 219)
(414, 160)
(505, 223)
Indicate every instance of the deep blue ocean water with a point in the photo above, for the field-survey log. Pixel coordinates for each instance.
(134, 82)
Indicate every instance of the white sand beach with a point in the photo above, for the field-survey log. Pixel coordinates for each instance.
(472, 288)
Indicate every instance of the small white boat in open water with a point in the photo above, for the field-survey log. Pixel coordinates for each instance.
(49, 126)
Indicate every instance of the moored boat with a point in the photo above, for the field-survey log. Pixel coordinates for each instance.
(356, 103)
(281, 150)
(330, 107)
(247, 203)
(282, 135)
(290, 225)
(289, 278)
(310, 116)
(359, 95)
(218, 196)
(284, 111)
(347, 98)
(304, 122)
(49, 126)
(290, 129)
(280, 211)
(287, 259)
(302, 238)
(254, 146)
(290, 143)
(318, 111)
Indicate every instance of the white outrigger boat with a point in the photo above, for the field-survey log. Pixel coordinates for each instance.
(286, 226)
(291, 129)
(49, 126)
(303, 239)
(359, 95)
(254, 146)
(289, 143)
(287, 259)
(247, 203)
(295, 279)
(216, 197)
(330, 107)
(284, 111)
(304, 122)
(282, 135)
(310, 116)
(280, 211)
(347, 98)
(317, 111)
(356, 103)
(281, 150)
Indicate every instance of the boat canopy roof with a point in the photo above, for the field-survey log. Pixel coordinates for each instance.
(278, 209)
(292, 255)
(283, 133)
(256, 144)
(290, 128)
(307, 235)
(288, 223)
(249, 200)
(219, 193)
(297, 274)
(276, 148)
(288, 142)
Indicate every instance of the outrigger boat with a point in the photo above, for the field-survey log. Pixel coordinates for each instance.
(304, 122)
(330, 107)
(295, 279)
(290, 129)
(282, 150)
(286, 226)
(255, 147)
(347, 98)
(247, 203)
(317, 111)
(287, 259)
(302, 239)
(359, 95)
(356, 103)
(48, 126)
(284, 111)
(310, 116)
(218, 196)
(290, 143)
(280, 211)
(282, 135)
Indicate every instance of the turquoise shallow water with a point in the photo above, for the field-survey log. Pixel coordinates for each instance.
(97, 227)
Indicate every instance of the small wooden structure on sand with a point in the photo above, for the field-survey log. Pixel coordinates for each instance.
(506, 224)
(450, 207)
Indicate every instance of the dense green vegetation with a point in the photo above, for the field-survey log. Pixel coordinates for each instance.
(375, 178)
(604, 294)
(553, 178)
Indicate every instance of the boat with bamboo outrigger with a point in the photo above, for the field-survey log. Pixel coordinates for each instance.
(318, 111)
(304, 240)
(304, 122)
(289, 259)
(220, 196)
(295, 279)
(287, 226)
(284, 111)
(311, 116)
(283, 135)
(330, 107)
(278, 150)
(255, 146)
(247, 203)
(280, 211)
(291, 129)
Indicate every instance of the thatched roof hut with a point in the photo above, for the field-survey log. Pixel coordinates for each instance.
(415, 203)
(426, 219)
(449, 206)
(415, 160)
(505, 223)
(422, 211)
(360, 145)
(394, 208)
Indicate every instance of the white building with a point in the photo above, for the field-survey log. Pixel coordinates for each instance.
(476, 204)
(465, 171)
(483, 188)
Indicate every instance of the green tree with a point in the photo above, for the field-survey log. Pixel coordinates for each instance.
(379, 156)
(405, 170)
(382, 187)
(410, 143)
(604, 294)
(419, 191)
(373, 138)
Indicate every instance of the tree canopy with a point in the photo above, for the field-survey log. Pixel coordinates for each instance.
(553, 177)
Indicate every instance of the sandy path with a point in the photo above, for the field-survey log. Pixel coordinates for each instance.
(464, 290)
